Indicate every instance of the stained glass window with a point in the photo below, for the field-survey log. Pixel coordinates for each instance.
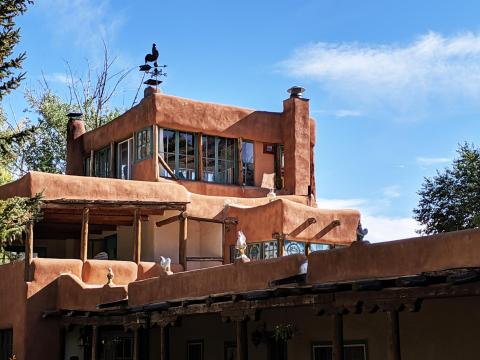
(270, 249)
(255, 251)
(294, 247)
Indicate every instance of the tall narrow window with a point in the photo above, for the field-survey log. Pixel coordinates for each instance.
(248, 166)
(178, 149)
(143, 144)
(102, 162)
(6, 344)
(124, 162)
(279, 166)
(219, 159)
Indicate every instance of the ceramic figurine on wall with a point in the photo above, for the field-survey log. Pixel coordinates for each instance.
(165, 263)
(241, 246)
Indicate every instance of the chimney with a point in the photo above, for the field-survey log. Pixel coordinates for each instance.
(297, 142)
(75, 129)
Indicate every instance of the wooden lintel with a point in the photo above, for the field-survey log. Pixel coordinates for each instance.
(84, 235)
(166, 167)
(326, 230)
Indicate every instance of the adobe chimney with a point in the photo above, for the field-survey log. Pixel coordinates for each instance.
(297, 143)
(75, 129)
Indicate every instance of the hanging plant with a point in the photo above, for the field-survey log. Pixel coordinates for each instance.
(284, 332)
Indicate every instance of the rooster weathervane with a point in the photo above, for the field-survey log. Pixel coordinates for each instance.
(154, 71)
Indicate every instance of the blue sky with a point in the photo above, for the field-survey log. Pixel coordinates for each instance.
(394, 85)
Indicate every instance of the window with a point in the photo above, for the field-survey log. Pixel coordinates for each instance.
(248, 163)
(6, 344)
(124, 162)
(279, 166)
(195, 350)
(219, 159)
(257, 251)
(294, 247)
(352, 351)
(319, 247)
(143, 144)
(102, 162)
(178, 149)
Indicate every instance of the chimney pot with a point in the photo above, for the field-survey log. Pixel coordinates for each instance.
(296, 91)
(75, 115)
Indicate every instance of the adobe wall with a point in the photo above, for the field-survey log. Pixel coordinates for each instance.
(13, 293)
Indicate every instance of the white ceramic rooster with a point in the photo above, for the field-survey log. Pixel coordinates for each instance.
(242, 246)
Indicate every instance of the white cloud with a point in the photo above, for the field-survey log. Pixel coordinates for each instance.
(341, 113)
(380, 227)
(58, 78)
(427, 161)
(392, 191)
(400, 79)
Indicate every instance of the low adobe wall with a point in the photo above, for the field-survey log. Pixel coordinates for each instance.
(237, 277)
(460, 249)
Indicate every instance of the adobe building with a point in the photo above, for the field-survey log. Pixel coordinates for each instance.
(176, 178)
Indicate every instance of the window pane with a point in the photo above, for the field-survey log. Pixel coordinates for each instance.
(319, 247)
(294, 247)
(247, 152)
(254, 251)
(270, 249)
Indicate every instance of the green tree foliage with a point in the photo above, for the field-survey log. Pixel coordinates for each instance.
(9, 77)
(17, 214)
(450, 200)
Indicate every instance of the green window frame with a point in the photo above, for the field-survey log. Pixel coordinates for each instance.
(219, 159)
(102, 162)
(143, 144)
(179, 149)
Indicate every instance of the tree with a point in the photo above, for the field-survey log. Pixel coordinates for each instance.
(91, 94)
(450, 200)
(9, 80)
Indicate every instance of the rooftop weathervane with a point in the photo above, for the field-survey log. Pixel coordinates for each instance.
(155, 71)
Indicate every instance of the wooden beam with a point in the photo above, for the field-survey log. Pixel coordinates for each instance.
(171, 219)
(200, 157)
(326, 230)
(84, 235)
(337, 337)
(94, 342)
(182, 242)
(165, 165)
(242, 339)
(393, 335)
(28, 252)
(92, 163)
(137, 241)
(302, 227)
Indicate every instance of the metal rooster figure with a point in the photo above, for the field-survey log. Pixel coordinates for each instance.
(156, 70)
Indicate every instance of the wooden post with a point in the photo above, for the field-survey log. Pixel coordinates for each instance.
(94, 342)
(92, 163)
(137, 241)
(199, 176)
(28, 252)
(393, 335)
(242, 339)
(337, 337)
(112, 160)
(84, 235)
(281, 245)
(163, 342)
(136, 344)
(182, 242)
(156, 153)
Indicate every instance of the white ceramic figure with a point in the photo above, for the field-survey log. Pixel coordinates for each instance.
(241, 246)
(165, 263)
